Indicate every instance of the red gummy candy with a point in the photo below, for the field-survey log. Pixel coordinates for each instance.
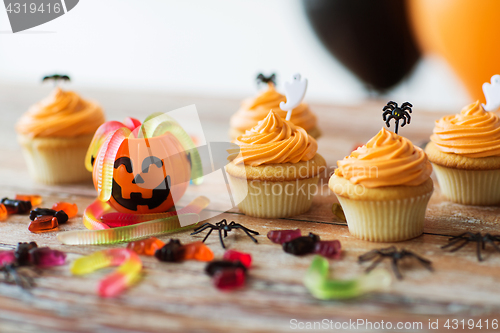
(146, 247)
(227, 279)
(69, 209)
(45, 257)
(3, 212)
(43, 223)
(244, 258)
(283, 236)
(7, 257)
(328, 249)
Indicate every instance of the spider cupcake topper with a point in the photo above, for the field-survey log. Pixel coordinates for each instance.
(393, 111)
(261, 78)
(56, 78)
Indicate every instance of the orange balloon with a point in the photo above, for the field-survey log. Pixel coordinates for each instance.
(465, 32)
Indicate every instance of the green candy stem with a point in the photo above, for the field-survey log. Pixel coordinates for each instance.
(321, 287)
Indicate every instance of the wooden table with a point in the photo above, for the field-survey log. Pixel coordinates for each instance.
(180, 297)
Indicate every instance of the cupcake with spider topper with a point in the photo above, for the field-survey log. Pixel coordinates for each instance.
(276, 169)
(55, 134)
(465, 151)
(255, 109)
(385, 185)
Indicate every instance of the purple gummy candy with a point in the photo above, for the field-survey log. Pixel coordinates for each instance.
(328, 249)
(7, 257)
(46, 257)
(283, 236)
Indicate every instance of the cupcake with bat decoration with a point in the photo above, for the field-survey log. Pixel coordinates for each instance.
(465, 151)
(385, 185)
(276, 169)
(55, 134)
(254, 109)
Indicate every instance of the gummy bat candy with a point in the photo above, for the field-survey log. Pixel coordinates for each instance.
(69, 209)
(174, 251)
(17, 206)
(35, 199)
(231, 272)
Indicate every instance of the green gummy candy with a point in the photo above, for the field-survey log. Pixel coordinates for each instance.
(322, 287)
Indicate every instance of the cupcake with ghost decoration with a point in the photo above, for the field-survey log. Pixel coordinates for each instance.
(384, 188)
(465, 152)
(254, 109)
(55, 134)
(276, 170)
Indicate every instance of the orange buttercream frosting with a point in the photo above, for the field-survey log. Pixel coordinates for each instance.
(62, 114)
(275, 140)
(473, 132)
(255, 109)
(386, 160)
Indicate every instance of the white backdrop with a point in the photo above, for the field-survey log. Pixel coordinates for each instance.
(197, 46)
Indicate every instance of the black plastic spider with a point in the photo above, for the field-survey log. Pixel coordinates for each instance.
(224, 226)
(14, 272)
(56, 77)
(261, 78)
(463, 239)
(394, 254)
(391, 110)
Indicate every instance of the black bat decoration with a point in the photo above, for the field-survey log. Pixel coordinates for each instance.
(261, 78)
(56, 78)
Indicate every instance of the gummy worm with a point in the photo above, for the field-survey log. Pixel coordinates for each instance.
(100, 136)
(106, 158)
(122, 278)
(98, 139)
(98, 212)
(128, 233)
(116, 219)
(322, 287)
(158, 124)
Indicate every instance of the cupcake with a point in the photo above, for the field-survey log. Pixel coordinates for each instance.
(465, 153)
(276, 170)
(255, 109)
(384, 187)
(55, 135)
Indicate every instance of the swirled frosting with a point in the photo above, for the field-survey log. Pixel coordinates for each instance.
(473, 132)
(62, 114)
(255, 109)
(386, 160)
(275, 140)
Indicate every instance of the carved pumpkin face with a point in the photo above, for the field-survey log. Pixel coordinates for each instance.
(149, 175)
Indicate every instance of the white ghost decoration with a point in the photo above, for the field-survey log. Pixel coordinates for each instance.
(294, 92)
(492, 93)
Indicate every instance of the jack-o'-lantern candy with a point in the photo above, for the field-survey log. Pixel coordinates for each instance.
(145, 169)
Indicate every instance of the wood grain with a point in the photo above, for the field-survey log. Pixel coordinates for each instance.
(180, 297)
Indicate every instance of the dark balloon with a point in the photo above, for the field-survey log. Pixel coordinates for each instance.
(372, 38)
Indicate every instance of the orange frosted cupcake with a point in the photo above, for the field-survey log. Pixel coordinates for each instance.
(384, 187)
(255, 109)
(55, 135)
(465, 152)
(277, 169)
